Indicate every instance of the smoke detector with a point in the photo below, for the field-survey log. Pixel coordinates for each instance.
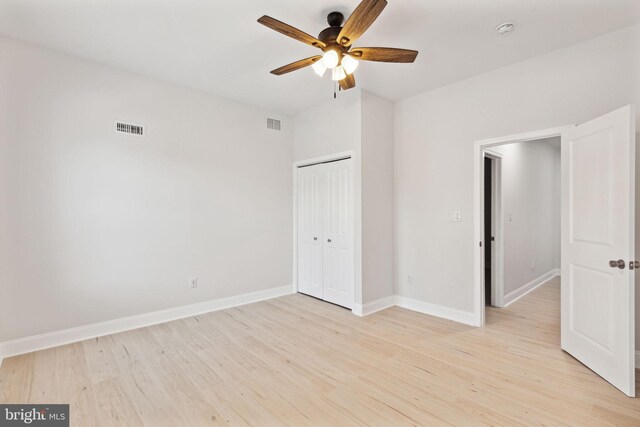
(505, 28)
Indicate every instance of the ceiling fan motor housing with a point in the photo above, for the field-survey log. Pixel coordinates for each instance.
(329, 35)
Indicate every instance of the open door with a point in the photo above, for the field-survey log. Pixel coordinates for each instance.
(598, 264)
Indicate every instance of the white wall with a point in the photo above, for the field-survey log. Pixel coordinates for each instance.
(97, 226)
(377, 197)
(331, 128)
(361, 122)
(531, 211)
(435, 134)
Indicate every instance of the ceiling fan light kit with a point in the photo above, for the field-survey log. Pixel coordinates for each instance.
(336, 44)
(338, 73)
(349, 63)
(319, 68)
(330, 59)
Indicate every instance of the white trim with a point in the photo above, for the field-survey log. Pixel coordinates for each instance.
(523, 290)
(415, 305)
(321, 159)
(478, 227)
(374, 306)
(460, 316)
(68, 336)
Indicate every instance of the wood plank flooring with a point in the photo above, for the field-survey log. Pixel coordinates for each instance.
(302, 362)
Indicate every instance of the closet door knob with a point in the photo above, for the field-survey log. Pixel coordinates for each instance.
(329, 240)
(315, 238)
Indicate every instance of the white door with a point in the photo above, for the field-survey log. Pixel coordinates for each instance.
(338, 277)
(310, 218)
(325, 232)
(598, 173)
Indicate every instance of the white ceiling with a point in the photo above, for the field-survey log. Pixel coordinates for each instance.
(218, 47)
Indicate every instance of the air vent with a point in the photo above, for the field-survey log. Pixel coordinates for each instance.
(129, 128)
(273, 123)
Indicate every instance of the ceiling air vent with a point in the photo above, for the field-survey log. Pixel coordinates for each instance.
(129, 128)
(273, 124)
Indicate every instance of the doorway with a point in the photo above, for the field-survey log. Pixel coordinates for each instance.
(522, 244)
(597, 309)
(492, 237)
(488, 236)
(489, 155)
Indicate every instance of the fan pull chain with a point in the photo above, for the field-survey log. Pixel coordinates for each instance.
(334, 89)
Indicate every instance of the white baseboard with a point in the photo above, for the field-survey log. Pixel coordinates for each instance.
(68, 336)
(460, 316)
(81, 333)
(415, 305)
(513, 296)
(374, 306)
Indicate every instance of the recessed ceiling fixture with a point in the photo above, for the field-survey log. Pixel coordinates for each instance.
(505, 28)
(336, 44)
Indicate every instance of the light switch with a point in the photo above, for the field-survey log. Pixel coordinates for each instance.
(456, 216)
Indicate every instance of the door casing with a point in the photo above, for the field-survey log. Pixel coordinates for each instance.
(482, 148)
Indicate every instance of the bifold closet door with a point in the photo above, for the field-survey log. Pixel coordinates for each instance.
(325, 232)
(310, 218)
(338, 256)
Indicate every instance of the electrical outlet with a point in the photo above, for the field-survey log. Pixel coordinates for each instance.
(193, 283)
(409, 279)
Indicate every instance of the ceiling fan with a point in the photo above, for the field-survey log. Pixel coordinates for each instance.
(336, 42)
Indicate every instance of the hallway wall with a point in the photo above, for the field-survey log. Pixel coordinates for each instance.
(531, 212)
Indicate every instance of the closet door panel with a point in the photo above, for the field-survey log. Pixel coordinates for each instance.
(310, 219)
(338, 266)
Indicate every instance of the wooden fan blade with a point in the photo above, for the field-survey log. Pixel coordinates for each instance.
(348, 82)
(361, 19)
(295, 65)
(290, 31)
(384, 54)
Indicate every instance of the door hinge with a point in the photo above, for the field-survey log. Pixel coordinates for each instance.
(480, 244)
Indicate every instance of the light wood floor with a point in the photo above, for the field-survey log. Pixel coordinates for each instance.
(298, 361)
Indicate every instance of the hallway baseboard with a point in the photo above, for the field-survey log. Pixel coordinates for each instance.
(513, 296)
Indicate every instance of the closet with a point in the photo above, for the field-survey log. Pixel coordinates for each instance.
(325, 232)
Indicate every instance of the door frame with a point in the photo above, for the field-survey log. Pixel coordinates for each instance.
(480, 147)
(497, 227)
(357, 284)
